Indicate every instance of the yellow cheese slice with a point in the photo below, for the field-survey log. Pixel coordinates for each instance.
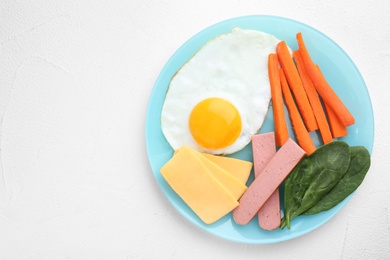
(240, 169)
(233, 185)
(195, 184)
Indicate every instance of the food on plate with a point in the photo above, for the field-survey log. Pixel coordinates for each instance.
(219, 98)
(285, 159)
(281, 131)
(314, 99)
(295, 83)
(206, 188)
(264, 148)
(192, 181)
(234, 186)
(215, 123)
(337, 127)
(239, 169)
(215, 105)
(326, 92)
(301, 133)
(358, 167)
(314, 177)
(306, 92)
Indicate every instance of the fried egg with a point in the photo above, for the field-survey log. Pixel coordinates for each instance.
(220, 97)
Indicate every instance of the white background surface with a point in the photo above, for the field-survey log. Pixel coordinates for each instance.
(75, 80)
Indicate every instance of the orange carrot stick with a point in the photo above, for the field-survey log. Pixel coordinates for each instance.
(326, 92)
(301, 133)
(314, 99)
(295, 84)
(337, 127)
(281, 132)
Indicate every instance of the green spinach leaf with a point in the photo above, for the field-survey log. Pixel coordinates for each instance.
(359, 165)
(313, 177)
(295, 186)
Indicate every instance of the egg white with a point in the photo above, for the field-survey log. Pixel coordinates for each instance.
(232, 66)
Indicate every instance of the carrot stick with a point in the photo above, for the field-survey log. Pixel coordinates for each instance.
(296, 86)
(281, 132)
(326, 92)
(301, 133)
(314, 99)
(337, 127)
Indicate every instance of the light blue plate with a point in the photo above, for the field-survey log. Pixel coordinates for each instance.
(341, 73)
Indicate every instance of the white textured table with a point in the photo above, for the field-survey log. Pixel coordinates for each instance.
(75, 80)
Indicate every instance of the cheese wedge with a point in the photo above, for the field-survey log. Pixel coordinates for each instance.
(233, 185)
(240, 169)
(195, 184)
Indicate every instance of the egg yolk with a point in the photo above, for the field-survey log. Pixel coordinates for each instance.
(215, 123)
